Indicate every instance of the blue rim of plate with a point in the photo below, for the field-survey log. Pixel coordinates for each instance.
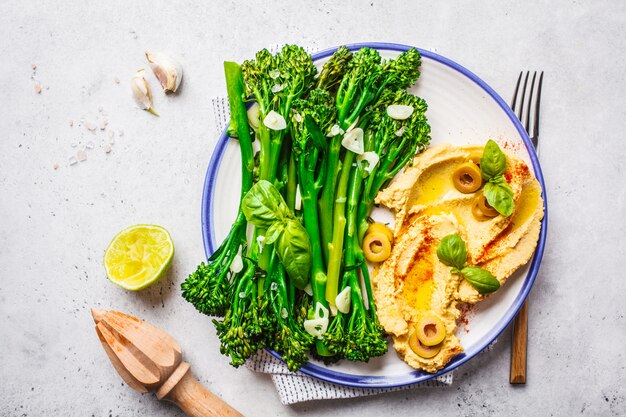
(412, 377)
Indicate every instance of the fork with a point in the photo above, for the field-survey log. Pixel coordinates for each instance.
(520, 324)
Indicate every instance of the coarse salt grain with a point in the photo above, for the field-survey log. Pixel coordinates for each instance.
(34, 66)
(73, 160)
(107, 148)
(90, 126)
(120, 133)
(89, 145)
(81, 155)
(117, 80)
(37, 88)
(55, 166)
(70, 122)
(103, 124)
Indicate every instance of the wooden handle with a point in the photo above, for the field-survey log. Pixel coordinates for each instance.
(192, 397)
(519, 345)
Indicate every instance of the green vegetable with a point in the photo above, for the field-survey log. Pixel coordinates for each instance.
(366, 79)
(497, 191)
(262, 304)
(481, 279)
(312, 117)
(209, 288)
(453, 253)
(493, 161)
(499, 196)
(264, 207)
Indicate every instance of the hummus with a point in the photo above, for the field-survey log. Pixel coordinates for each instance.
(427, 207)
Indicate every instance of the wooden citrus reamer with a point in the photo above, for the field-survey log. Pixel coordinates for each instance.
(148, 359)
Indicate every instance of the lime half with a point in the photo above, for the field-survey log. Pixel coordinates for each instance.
(138, 256)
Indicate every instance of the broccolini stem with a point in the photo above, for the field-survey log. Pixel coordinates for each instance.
(311, 222)
(339, 227)
(327, 199)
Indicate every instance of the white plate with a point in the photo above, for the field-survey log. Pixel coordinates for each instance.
(462, 110)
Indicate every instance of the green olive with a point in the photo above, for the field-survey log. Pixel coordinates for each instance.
(430, 330)
(422, 350)
(376, 246)
(482, 209)
(375, 227)
(467, 178)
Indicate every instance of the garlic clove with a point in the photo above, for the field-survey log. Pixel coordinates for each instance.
(237, 264)
(371, 158)
(316, 327)
(167, 70)
(399, 111)
(321, 312)
(274, 121)
(253, 116)
(260, 241)
(353, 140)
(298, 202)
(342, 301)
(334, 131)
(141, 91)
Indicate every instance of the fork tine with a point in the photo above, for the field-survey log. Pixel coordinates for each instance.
(521, 107)
(537, 105)
(516, 91)
(530, 101)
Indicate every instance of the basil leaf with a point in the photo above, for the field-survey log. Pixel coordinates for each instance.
(263, 205)
(493, 161)
(294, 251)
(452, 251)
(499, 195)
(273, 232)
(481, 279)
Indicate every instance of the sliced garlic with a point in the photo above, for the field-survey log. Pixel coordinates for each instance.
(236, 265)
(334, 131)
(399, 111)
(141, 91)
(342, 301)
(274, 121)
(253, 116)
(260, 241)
(400, 131)
(371, 158)
(167, 70)
(316, 327)
(274, 74)
(276, 88)
(353, 141)
(321, 312)
(298, 203)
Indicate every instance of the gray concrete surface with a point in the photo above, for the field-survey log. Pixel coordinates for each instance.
(56, 223)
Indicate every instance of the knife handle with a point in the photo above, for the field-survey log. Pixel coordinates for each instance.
(519, 346)
(193, 398)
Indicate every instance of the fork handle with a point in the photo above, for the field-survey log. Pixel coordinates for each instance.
(518, 347)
